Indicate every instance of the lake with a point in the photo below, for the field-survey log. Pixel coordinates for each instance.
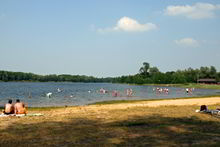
(72, 94)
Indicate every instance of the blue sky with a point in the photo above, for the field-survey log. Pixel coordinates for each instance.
(104, 38)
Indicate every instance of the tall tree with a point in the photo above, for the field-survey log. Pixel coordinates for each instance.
(204, 72)
(153, 70)
(213, 72)
(144, 70)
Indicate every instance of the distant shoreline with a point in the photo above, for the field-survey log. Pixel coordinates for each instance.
(186, 85)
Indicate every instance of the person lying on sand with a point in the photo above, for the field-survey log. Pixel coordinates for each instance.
(204, 108)
(9, 108)
(19, 107)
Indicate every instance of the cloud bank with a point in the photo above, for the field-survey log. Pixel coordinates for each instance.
(127, 24)
(188, 42)
(196, 11)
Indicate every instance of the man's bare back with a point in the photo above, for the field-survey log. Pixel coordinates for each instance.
(19, 108)
(9, 109)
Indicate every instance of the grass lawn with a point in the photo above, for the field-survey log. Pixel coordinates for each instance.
(194, 85)
(99, 125)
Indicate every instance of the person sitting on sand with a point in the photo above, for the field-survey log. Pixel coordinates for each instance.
(9, 108)
(19, 107)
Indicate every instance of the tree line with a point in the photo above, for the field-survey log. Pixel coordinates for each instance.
(7, 76)
(146, 75)
(152, 75)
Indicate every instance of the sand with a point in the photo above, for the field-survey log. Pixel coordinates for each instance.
(156, 103)
(101, 108)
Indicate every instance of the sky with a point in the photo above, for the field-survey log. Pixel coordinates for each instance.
(108, 38)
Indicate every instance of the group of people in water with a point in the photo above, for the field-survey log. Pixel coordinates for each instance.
(116, 93)
(17, 108)
(161, 90)
(166, 90)
(129, 91)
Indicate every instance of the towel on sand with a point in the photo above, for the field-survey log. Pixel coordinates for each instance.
(213, 112)
(20, 115)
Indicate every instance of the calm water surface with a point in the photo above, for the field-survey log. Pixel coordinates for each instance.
(34, 93)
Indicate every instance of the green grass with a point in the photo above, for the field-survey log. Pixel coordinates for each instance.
(46, 108)
(194, 85)
(115, 102)
(189, 85)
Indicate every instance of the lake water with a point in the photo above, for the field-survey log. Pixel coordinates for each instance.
(70, 94)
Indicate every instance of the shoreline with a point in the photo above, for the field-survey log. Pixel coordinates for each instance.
(117, 104)
(204, 100)
(157, 103)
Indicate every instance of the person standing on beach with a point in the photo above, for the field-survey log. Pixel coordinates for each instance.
(9, 108)
(19, 107)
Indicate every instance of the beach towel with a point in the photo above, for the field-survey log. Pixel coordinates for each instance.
(21, 115)
(212, 112)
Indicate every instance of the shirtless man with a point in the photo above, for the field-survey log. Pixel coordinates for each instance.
(9, 108)
(19, 107)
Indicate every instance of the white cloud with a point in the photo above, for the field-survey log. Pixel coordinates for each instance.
(188, 42)
(129, 25)
(196, 11)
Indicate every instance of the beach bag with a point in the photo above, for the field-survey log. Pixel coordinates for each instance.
(203, 108)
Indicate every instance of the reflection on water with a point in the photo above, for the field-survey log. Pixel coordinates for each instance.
(36, 94)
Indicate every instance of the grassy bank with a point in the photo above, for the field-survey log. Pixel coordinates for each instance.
(98, 125)
(194, 85)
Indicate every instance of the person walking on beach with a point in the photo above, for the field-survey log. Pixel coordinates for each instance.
(9, 108)
(19, 107)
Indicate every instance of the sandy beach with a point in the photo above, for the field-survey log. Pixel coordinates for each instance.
(102, 108)
(172, 102)
(142, 123)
